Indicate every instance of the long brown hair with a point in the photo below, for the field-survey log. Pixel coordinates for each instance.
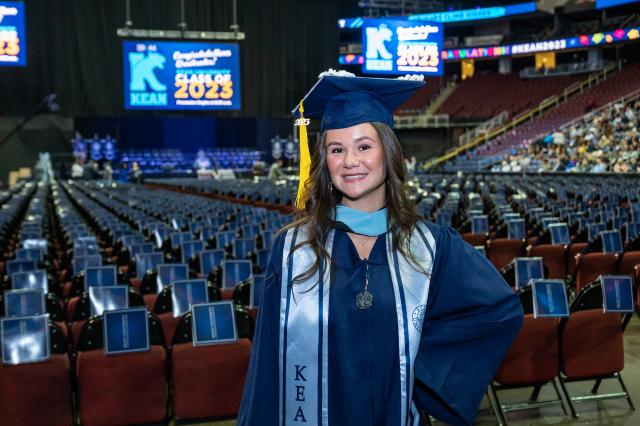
(321, 200)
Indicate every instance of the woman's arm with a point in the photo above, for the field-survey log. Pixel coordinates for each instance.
(472, 317)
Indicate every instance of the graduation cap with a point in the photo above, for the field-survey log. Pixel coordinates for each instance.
(343, 100)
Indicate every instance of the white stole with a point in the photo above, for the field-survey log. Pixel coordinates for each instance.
(304, 318)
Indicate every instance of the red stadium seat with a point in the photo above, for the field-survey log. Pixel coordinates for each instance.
(475, 239)
(501, 251)
(591, 346)
(207, 380)
(532, 360)
(164, 309)
(591, 265)
(40, 393)
(627, 263)
(123, 389)
(150, 300)
(573, 250)
(553, 257)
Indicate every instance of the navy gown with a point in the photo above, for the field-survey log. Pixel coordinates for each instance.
(471, 318)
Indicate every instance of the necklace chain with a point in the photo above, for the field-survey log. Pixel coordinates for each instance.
(366, 277)
(364, 299)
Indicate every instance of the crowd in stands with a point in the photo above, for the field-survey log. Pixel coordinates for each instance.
(603, 141)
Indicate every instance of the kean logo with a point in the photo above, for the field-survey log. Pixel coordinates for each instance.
(376, 38)
(145, 88)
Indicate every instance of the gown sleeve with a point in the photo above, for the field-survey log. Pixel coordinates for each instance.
(471, 320)
(259, 404)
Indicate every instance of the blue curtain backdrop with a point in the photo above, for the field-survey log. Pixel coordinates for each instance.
(186, 133)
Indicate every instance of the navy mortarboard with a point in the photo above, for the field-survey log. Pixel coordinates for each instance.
(343, 100)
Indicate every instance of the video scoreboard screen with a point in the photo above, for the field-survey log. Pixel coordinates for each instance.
(402, 47)
(172, 75)
(13, 34)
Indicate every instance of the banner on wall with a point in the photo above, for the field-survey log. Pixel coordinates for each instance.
(13, 34)
(172, 75)
(401, 47)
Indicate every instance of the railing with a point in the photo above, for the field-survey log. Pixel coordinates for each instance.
(564, 69)
(527, 115)
(441, 97)
(483, 128)
(420, 121)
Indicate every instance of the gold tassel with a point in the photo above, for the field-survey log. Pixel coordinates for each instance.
(305, 160)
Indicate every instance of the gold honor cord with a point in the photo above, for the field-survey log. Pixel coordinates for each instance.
(305, 159)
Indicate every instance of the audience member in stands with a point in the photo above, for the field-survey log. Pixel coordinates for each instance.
(352, 303)
(605, 141)
(411, 164)
(77, 169)
(107, 172)
(202, 162)
(275, 170)
(123, 173)
(136, 173)
(92, 170)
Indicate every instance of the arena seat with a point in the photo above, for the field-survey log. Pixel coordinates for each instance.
(591, 347)
(82, 312)
(573, 250)
(207, 380)
(125, 389)
(591, 265)
(164, 309)
(242, 293)
(628, 262)
(532, 361)
(501, 251)
(39, 393)
(509, 93)
(553, 257)
(475, 239)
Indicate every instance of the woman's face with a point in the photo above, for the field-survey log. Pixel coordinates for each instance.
(355, 158)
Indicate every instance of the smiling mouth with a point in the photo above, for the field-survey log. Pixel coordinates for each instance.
(354, 178)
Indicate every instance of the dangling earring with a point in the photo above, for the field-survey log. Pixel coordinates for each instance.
(331, 186)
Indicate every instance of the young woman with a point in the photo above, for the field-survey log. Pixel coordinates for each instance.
(370, 315)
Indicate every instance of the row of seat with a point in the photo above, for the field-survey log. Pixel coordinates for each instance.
(587, 346)
(204, 381)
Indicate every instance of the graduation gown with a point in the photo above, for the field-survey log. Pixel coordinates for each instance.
(382, 365)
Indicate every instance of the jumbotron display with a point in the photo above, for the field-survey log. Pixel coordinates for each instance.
(171, 75)
(13, 34)
(401, 46)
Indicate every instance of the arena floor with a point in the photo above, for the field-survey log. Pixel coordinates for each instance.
(609, 412)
